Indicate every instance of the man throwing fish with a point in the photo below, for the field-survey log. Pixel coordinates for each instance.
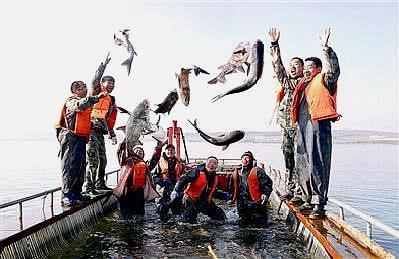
(103, 117)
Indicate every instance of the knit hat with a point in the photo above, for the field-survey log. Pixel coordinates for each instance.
(248, 153)
(137, 149)
(170, 146)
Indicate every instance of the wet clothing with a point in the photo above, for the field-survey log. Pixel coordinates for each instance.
(284, 116)
(314, 142)
(103, 119)
(198, 186)
(249, 184)
(134, 175)
(166, 176)
(73, 146)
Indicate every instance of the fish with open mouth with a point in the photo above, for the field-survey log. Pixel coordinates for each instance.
(255, 69)
(223, 140)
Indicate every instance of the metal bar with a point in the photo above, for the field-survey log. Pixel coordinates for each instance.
(369, 219)
(20, 216)
(37, 195)
(184, 144)
(341, 213)
(369, 230)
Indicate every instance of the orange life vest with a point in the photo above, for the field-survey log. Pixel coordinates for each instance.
(253, 184)
(195, 188)
(139, 175)
(321, 104)
(100, 109)
(164, 165)
(80, 125)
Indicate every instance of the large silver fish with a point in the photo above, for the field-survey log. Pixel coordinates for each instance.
(234, 64)
(223, 140)
(255, 68)
(138, 123)
(127, 44)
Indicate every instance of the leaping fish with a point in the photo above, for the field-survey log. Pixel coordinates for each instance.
(184, 86)
(223, 140)
(255, 68)
(127, 44)
(234, 64)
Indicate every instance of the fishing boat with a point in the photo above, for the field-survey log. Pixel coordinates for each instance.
(331, 237)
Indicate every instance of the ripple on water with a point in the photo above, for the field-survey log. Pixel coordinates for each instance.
(113, 238)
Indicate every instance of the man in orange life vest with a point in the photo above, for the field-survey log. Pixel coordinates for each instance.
(73, 131)
(314, 108)
(135, 177)
(103, 117)
(251, 188)
(167, 174)
(199, 185)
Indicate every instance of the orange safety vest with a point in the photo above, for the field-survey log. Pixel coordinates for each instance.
(100, 109)
(321, 104)
(253, 184)
(81, 123)
(164, 165)
(139, 175)
(195, 188)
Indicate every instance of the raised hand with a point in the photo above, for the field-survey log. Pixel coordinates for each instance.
(107, 59)
(274, 34)
(324, 37)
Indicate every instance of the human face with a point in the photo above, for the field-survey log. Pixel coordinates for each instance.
(296, 69)
(211, 165)
(310, 70)
(81, 90)
(109, 86)
(245, 160)
(170, 152)
(139, 152)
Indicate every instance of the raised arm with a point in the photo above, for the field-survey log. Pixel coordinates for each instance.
(277, 63)
(332, 65)
(95, 83)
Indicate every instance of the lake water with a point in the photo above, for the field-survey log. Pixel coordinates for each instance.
(363, 175)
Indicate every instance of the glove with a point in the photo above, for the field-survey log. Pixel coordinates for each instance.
(114, 140)
(175, 195)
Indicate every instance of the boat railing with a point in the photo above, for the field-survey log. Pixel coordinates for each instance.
(370, 221)
(41, 194)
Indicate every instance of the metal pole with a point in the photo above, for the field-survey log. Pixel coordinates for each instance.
(52, 204)
(184, 144)
(369, 230)
(20, 216)
(341, 213)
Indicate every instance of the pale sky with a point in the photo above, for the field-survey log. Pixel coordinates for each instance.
(48, 44)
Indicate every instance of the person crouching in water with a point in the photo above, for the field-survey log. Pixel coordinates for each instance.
(135, 185)
(199, 185)
(166, 175)
(251, 188)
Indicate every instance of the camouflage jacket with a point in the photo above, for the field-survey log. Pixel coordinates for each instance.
(332, 69)
(284, 116)
(99, 124)
(75, 104)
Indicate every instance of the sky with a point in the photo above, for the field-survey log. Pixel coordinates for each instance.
(46, 45)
